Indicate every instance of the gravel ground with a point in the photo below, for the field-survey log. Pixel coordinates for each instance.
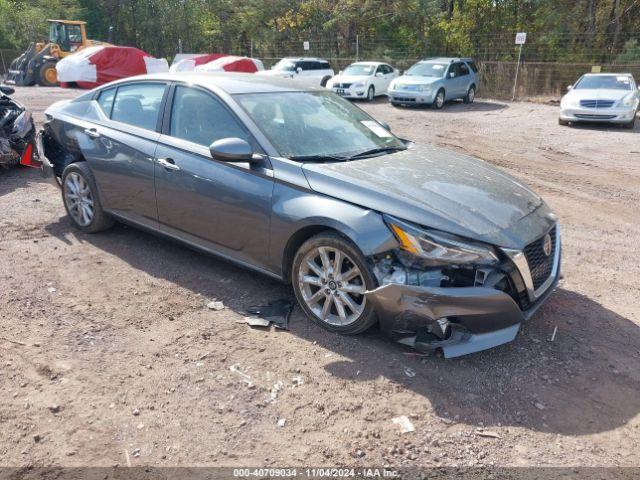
(110, 355)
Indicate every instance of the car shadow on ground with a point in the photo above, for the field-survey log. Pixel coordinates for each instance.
(604, 127)
(456, 106)
(585, 381)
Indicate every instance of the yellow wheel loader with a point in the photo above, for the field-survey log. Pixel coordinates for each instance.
(38, 63)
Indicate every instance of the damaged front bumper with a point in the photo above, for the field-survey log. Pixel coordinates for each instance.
(462, 320)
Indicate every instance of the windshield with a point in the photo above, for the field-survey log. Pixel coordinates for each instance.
(284, 65)
(311, 124)
(427, 70)
(356, 69)
(614, 82)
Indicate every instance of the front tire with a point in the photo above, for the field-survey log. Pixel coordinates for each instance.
(438, 103)
(47, 74)
(371, 93)
(80, 197)
(563, 123)
(630, 125)
(329, 278)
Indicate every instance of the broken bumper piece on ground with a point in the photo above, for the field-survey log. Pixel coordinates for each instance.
(456, 320)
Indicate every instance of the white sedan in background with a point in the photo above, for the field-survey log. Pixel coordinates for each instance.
(363, 80)
(601, 97)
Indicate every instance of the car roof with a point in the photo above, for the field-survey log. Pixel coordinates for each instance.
(368, 63)
(305, 59)
(229, 82)
(608, 74)
(446, 60)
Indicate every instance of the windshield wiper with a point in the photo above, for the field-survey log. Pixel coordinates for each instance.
(374, 151)
(318, 158)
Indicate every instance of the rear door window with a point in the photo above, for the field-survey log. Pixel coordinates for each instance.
(138, 104)
(473, 66)
(463, 69)
(199, 117)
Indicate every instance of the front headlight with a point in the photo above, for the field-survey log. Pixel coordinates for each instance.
(440, 248)
(569, 101)
(424, 88)
(358, 85)
(629, 101)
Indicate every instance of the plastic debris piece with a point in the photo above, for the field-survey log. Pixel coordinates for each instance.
(405, 424)
(276, 312)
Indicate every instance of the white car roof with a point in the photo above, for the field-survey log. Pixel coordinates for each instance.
(369, 63)
(305, 59)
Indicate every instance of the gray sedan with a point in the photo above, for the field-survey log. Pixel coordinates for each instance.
(443, 250)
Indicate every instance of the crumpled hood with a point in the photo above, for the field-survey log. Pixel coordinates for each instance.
(438, 188)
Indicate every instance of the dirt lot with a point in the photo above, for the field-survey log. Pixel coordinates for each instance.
(110, 355)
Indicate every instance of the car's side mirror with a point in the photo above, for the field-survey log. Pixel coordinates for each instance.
(231, 150)
(340, 72)
(569, 88)
(379, 74)
(298, 69)
(7, 90)
(452, 74)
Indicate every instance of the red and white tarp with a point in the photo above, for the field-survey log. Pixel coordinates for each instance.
(217, 62)
(102, 64)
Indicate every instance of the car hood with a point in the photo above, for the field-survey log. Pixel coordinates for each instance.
(350, 78)
(598, 94)
(416, 80)
(440, 189)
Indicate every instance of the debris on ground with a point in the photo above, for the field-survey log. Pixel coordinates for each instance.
(553, 335)
(55, 408)
(276, 312)
(488, 434)
(254, 321)
(275, 390)
(237, 368)
(215, 305)
(539, 406)
(282, 422)
(409, 372)
(405, 424)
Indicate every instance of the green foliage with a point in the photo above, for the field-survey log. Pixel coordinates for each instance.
(558, 30)
(630, 54)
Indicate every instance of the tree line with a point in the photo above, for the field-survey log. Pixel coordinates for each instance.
(558, 30)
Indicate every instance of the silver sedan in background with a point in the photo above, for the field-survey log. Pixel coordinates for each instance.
(601, 97)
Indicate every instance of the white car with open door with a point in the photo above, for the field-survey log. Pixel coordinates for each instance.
(363, 80)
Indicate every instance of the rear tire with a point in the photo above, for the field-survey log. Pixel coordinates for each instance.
(330, 293)
(471, 94)
(47, 74)
(81, 200)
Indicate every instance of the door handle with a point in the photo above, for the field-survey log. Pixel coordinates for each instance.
(168, 164)
(92, 133)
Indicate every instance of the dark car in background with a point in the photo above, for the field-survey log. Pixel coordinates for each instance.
(444, 250)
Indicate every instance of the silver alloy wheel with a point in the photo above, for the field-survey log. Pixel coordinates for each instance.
(78, 197)
(440, 99)
(332, 286)
(471, 95)
(370, 94)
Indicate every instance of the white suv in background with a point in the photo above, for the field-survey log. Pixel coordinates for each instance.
(310, 71)
(363, 80)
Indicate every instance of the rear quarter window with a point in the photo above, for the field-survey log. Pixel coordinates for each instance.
(138, 104)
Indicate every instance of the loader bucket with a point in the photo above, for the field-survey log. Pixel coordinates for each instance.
(19, 72)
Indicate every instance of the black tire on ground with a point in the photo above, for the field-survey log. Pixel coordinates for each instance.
(323, 82)
(334, 240)
(435, 101)
(630, 125)
(101, 220)
(471, 94)
(371, 93)
(47, 74)
(564, 123)
(395, 104)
